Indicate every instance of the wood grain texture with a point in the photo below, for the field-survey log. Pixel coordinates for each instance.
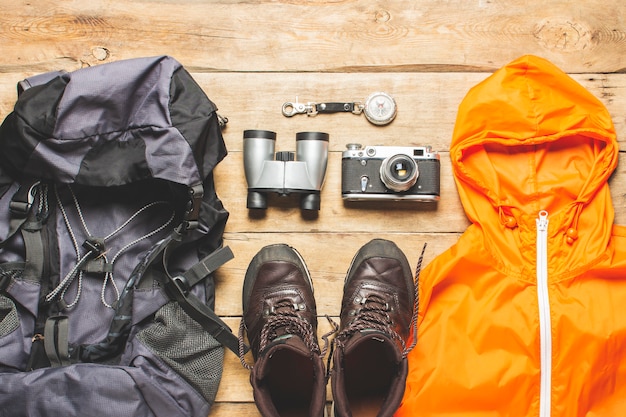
(427, 104)
(320, 35)
(252, 56)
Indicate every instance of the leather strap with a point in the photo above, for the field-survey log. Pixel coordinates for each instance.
(336, 107)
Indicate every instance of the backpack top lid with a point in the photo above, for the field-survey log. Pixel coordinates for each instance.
(113, 124)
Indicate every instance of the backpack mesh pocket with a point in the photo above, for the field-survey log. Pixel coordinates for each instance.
(187, 348)
(9, 321)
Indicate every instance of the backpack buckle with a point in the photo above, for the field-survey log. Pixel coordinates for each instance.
(20, 204)
(181, 284)
(19, 208)
(196, 193)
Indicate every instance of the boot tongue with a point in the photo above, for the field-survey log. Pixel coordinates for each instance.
(289, 342)
(372, 336)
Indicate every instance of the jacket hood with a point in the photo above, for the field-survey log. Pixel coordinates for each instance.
(528, 139)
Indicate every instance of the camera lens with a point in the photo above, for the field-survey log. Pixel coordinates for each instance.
(399, 172)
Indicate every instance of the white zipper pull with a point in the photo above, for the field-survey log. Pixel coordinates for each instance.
(542, 221)
(545, 325)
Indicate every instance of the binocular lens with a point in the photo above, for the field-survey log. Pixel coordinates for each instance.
(399, 172)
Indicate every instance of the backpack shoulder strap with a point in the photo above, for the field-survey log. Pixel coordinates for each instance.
(20, 206)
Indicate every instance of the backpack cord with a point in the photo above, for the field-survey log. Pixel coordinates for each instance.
(93, 253)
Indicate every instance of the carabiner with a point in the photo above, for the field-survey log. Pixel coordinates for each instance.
(293, 108)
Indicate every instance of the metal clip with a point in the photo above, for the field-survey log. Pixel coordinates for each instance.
(293, 108)
(358, 108)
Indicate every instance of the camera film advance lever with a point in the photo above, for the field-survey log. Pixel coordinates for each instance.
(379, 108)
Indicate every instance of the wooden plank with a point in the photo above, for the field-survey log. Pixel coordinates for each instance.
(234, 409)
(323, 35)
(427, 104)
(241, 410)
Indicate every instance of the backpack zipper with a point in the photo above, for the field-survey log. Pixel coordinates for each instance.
(545, 327)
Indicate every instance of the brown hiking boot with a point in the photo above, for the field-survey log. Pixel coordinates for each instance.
(369, 362)
(279, 316)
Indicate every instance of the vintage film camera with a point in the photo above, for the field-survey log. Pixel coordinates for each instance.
(389, 173)
(284, 172)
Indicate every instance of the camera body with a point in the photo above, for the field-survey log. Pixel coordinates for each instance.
(390, 173)
(284, 172)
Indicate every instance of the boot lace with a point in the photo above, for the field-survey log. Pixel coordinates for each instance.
(375, 315)
(283, 319)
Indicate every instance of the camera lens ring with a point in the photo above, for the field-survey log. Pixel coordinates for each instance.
(399, 172)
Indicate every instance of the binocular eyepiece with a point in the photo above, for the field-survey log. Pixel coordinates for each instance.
(284, 172)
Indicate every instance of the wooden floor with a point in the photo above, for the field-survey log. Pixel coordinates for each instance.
(252, 56)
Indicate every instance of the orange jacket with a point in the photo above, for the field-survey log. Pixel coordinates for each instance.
(525, 316)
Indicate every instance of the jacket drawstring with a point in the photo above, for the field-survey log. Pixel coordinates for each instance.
(506, 219)
(572, 231)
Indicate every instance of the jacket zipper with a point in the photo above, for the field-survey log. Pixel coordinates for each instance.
(545, 327)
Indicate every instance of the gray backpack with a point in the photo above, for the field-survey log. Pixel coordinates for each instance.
(110, 231)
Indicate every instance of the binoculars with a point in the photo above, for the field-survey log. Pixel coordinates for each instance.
(285, 172)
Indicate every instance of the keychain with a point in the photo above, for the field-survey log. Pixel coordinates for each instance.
(379, 108)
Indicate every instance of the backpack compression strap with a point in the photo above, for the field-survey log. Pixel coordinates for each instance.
(178, 288)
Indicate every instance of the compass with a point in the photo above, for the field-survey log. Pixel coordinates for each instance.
(380, 108)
